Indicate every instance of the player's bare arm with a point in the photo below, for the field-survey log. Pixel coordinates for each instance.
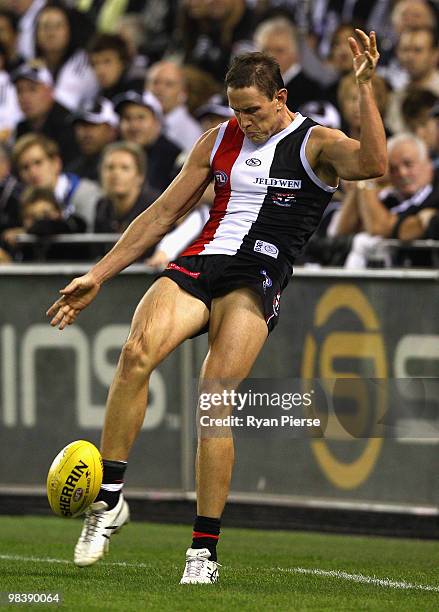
(330, 152)
(145, 231)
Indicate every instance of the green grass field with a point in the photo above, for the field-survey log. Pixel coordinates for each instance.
(262, 570)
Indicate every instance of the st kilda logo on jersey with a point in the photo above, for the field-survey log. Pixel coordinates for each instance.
(283, 198)
(253, 161)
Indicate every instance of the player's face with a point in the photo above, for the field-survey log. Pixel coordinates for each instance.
(257, 116)
(37, 169)
(407, 169)
(119, 174)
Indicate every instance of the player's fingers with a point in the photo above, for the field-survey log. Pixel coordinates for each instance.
(363, 37)
(354, 46)
(57, 318)
(373, 43)
(55, 306)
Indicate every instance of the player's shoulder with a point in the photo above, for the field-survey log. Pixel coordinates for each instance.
(322, 137)
(205, 143)
(324, 134)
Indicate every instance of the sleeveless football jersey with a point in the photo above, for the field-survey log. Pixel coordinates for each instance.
(268, 200)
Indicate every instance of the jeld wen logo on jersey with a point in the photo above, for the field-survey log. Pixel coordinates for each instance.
(278, 182)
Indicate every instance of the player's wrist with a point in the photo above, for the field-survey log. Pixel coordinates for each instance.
(366, 185)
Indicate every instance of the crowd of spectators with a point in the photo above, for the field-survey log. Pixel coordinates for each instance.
(101, 101)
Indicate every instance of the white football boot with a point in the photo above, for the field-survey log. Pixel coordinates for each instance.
(199, 570)
(99, 526)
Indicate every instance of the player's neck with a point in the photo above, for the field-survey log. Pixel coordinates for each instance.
(285, 120)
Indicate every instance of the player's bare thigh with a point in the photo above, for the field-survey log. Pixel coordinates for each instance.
(237, 332)
(166, 316)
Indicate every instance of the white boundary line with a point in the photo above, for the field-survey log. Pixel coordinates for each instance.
(340, 574)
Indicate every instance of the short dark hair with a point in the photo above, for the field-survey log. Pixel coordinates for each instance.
(11, 17)
(417, 102)
(32, 195)
(110, 42)
(255, 70)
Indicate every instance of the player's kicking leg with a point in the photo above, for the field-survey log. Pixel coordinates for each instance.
(237, 332)
(164, 318)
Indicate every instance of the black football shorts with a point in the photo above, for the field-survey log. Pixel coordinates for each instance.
(209, 276)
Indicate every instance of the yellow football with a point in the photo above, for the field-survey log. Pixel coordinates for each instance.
(74, 478)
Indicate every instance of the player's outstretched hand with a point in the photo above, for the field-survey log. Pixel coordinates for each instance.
(76, 296)
(364, 61)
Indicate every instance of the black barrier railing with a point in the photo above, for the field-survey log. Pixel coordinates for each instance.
(387, 249)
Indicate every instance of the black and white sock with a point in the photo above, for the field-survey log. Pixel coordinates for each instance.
(112, 482)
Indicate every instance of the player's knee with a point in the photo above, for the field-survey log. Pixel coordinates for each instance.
(136, 359)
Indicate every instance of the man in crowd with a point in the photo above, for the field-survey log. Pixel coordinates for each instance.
(404, 210)
(141, 119)
(278, 38)
(418, 54)
(110, 59)
(166, 81)
(42, 113)
(37, 161)
(95, 127)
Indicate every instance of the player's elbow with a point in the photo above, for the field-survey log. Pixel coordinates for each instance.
(375, 168)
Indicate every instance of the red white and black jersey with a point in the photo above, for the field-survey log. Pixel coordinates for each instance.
(268, 199)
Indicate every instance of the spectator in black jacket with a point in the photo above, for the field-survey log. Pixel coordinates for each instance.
(42, 114)
(141, 122)
(95, 126)
(110, 59)
(278, 38)
(123, 183)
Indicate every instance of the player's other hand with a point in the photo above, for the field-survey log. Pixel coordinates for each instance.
(76, 296)
(365, 60)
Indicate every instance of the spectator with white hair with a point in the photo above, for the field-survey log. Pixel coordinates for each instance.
(403, 210)
(166, 81)
(278, 37)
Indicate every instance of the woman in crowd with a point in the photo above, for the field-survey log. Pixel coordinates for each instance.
(59, 44)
